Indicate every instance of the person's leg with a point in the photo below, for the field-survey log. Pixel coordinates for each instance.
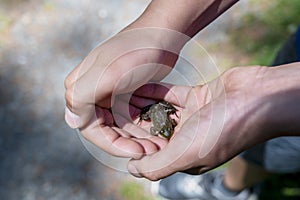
(241, 174)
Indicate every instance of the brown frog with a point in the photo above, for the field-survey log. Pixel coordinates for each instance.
(159, 113)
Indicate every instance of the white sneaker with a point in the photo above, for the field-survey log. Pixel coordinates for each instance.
(201, 187)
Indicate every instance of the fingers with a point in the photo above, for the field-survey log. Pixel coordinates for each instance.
(119, 65)
(72, 119)
(178, 155)
(113, 140)
(171, 93)
(98, 87)
(120, 142)
(84, 90)
(140, 102)
(90, 83)
(137, 131)
(77, 112)
(162, 163)
(198, 144)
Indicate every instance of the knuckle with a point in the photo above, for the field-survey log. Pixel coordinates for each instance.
(71, 99)
(68, 82)
(86, 135)
(152, 176)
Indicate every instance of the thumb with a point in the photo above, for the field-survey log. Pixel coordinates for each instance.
(176, 156)
(153, 167)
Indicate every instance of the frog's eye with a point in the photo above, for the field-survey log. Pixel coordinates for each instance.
(169, 129)
(161, 131)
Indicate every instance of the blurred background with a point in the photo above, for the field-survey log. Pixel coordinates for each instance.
(40, 43)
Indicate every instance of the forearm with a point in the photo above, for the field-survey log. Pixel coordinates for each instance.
(185, 16)
(262, 103)
(284, 99)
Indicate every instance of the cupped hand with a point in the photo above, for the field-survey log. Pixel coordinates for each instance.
(120, 65)
(217, 121)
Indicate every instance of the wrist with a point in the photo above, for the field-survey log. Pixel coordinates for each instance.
(187, 17)
(265, 101)
(283, 99)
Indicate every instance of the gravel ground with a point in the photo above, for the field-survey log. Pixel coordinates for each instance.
(40, 42)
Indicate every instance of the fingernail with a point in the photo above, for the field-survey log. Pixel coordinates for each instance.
(132, 170)
(72, 119)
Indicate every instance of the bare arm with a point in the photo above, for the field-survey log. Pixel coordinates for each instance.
(260, 103)
(114, 67)
(185, 16)
(285, 95)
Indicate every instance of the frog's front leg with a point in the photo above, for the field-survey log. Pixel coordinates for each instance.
(173, 122)
(145, 113)
(153, 131)
(144, 116)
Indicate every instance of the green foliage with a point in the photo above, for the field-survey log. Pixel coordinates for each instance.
(261, 34)
(282, 187)
(133, 191)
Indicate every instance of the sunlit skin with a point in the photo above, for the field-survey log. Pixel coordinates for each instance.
(83, 85)
(248, 118)
(251, 104)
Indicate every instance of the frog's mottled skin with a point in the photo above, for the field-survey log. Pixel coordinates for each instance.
(159, 114)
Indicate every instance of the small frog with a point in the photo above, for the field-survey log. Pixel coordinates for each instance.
(159, 113)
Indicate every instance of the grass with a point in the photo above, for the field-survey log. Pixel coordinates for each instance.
(130, 190)
(282, 187)
(261, 33)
